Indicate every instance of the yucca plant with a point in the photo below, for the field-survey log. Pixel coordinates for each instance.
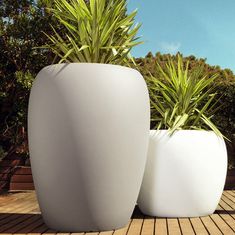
(181, 99)
(97, 31)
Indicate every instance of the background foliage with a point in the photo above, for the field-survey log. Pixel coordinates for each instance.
(21, 26)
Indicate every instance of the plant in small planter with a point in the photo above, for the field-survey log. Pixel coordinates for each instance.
(187, 159)
(89, 120)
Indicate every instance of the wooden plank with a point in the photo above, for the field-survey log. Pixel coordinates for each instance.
(23, 170)
(226, 217)
(231, 193)
(35, 210)
(4, 216)
(229, 210)
(228, 201)
(22, 186)
(22, 225)
(161, 226)
(39, 230)
(19, 201)
(59, 233)
(22, 178)
(12, 223)
(229, 220)
(122, 231)
(50, 232)
(148, 226)
(224, 228)
(198, 226)
(225, 206)
(17, 207)
(31, 227)
(5, 208)
(77, 233)
(173, 226)
(135, 227)
(26, 207)
(106, 233)
(5, 196)
(229, 196)
(13, 207)
(14, 194)
(92, 233)
(210, 225)
(5, 203)
(186, 226)
(8, 219)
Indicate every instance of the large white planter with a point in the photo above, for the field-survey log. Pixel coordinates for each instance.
(88, 139)
(185, 174)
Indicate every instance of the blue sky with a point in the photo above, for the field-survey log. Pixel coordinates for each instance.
(204, 28)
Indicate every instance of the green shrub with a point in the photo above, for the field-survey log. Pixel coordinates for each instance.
(181, 99)
(21, 26)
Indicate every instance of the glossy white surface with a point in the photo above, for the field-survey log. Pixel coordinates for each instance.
(88, 139)
(184, 175)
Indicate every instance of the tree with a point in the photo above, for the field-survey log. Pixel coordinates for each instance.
(21, 26)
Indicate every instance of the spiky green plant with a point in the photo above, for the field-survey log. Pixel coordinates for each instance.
(182, 100)
(98, 31)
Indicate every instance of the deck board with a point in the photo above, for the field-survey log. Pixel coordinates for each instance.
(173, 226)
(221, 224)
(210, 225)
(186, 226)
(135, 227)
(148, 226)
(198, 226)
(161, 226)
(122, 231)
(20, 214)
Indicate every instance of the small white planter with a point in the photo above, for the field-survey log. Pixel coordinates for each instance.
(88, 140)
(185, 174)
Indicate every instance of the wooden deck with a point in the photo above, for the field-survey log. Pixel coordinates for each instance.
(19, 214)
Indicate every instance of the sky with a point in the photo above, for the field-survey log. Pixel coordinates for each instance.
(204, 28)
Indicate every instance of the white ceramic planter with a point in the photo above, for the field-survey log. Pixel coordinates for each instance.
(88, 139)
(184, 175)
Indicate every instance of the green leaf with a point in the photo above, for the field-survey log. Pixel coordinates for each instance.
(102, 26)
(181, 99)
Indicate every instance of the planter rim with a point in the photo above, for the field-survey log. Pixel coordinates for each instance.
(164, 131)
(186, 130)
(91, 64)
